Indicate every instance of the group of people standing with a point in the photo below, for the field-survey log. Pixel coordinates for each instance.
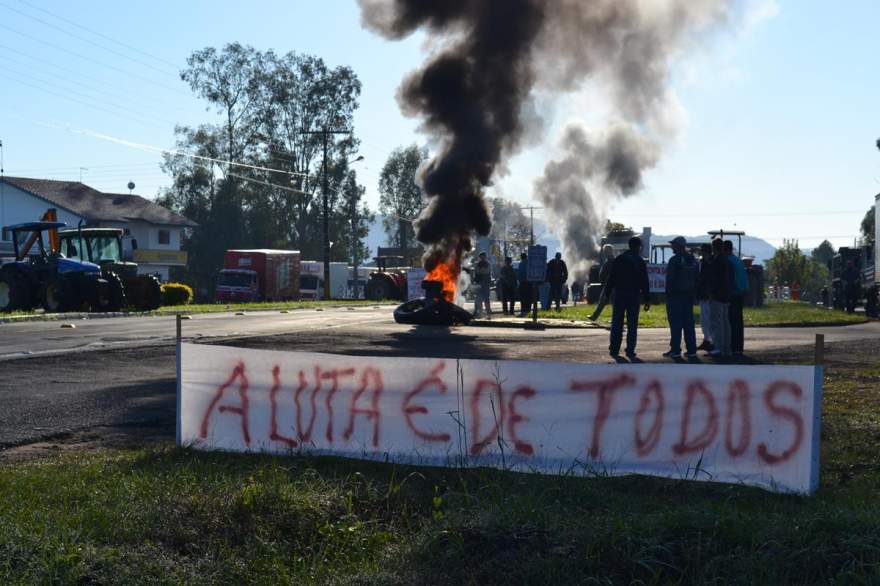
(717, 281)
(513, 284)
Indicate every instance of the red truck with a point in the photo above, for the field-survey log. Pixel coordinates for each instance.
(258, 275)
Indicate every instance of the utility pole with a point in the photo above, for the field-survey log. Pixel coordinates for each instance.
(326, 133)
(531, 221)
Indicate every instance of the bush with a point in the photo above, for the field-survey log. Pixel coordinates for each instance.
(176, 294)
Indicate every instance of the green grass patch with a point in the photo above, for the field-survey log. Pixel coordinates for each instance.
(771, 314)
(166, 515)
(223, 307)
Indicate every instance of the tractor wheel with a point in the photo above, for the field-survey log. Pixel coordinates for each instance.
(61, 294)
(115, 292)
(379, 287)
(150, 293)
(14, 291)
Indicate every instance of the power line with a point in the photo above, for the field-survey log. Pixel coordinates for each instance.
(109, 103)
(101, 83)
(103, 36)
(87, 58)
(88, 104)
(89, 41)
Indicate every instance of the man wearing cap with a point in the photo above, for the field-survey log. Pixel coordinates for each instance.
(681, 284)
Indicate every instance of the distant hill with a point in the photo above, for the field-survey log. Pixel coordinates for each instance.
(751, 245)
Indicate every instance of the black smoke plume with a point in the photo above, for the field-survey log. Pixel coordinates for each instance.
(489, 56)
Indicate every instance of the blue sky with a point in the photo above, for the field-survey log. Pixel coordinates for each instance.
(781, 113)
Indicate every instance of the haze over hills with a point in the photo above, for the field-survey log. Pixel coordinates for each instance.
(751, 245)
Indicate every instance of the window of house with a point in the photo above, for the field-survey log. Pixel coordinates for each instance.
(164, 237)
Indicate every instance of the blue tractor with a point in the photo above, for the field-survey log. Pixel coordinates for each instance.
(45, 277)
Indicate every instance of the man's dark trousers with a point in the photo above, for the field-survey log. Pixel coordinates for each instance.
(508, 299)
(525, 297)
(680, 310)
(624, 302)
(555, 293)
(737, 328)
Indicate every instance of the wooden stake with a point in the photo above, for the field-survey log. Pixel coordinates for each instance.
(819, 350)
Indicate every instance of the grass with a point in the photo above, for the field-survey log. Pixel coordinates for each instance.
(167, 515)
(771, 314)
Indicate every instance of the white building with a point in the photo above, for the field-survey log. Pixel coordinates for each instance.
(156, 231)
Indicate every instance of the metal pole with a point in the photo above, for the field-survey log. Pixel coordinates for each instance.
(532, 227)
(326, 226)
(178, 431)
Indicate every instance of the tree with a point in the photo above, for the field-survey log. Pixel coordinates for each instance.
(789, 266)
(272, 198)
(867, 227)
(510, 228)
(359, 217)
(823, 253)
(614, 226)
(400, 197)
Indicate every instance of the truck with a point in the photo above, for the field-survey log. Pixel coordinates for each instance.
(311, 280)
(259, 275)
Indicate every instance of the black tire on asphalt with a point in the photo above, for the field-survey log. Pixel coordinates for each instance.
(15, 291)
(422, 312)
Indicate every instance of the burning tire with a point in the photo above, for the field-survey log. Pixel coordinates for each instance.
(431, 313)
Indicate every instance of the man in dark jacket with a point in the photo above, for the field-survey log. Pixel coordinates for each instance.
(681, 284)
(703, 296)
(720, 292)
(627, 281)
(525, 288)
(604, 273)
(507, 287)
(557, 275)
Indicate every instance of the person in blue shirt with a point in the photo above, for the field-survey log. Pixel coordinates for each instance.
(737, 298)
(525, 288)
(681, 284)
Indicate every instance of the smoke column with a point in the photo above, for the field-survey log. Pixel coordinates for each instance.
(475, 95)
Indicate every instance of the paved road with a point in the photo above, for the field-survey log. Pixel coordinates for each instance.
(51, 387)
(22, 339)
(357, 330)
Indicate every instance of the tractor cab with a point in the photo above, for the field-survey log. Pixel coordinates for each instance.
(31, 247)
(100, 246)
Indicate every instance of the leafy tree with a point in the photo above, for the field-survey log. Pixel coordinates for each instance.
(867, 227)
(823, 253)
(264, 101)
(789, 266)
(613, 226)
(357, 215)
(510, 228)
(400, 196)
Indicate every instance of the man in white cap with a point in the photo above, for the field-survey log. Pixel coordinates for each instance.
(681, 286)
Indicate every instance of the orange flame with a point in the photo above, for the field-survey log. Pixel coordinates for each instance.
(446, 273)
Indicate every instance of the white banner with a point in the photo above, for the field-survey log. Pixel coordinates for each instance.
(757, 425)
(414, 278)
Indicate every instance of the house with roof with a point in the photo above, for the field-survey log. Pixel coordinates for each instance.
(152, 234)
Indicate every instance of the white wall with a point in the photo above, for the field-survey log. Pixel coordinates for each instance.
(17, 206)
